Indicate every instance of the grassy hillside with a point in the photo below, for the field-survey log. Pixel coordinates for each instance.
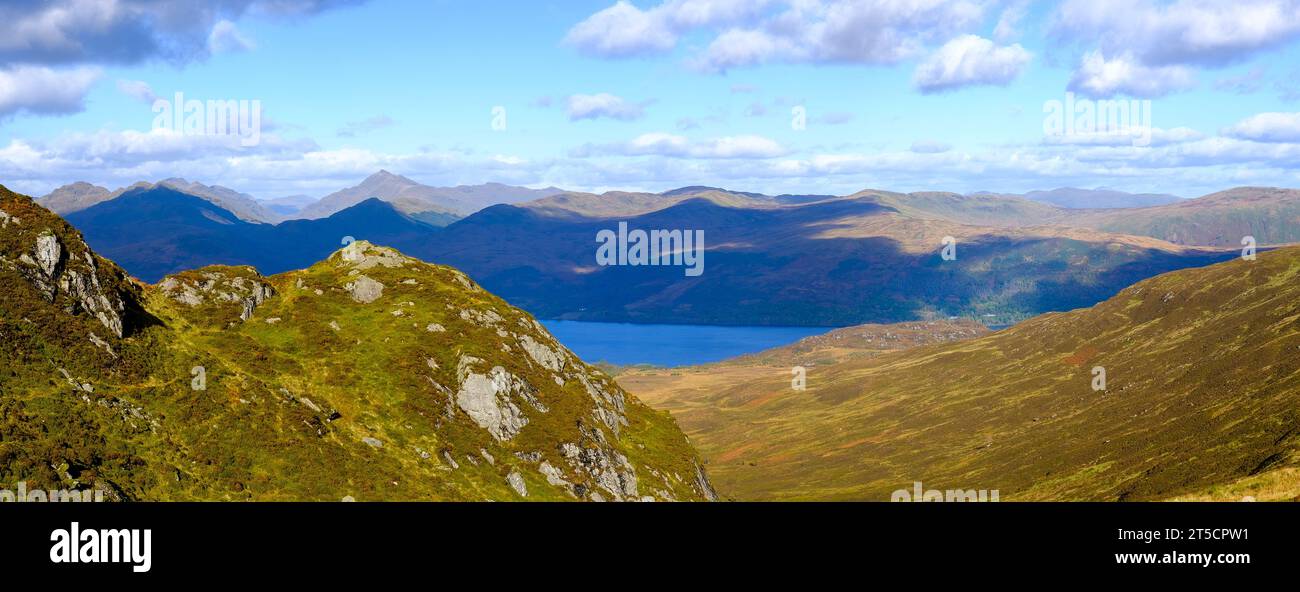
(1269, 214)
(369, 375)
(1202, 401)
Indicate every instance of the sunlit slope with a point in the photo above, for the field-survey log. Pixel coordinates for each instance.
(369, 375)
(1202, 390)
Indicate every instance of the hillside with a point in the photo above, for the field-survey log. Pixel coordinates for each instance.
(369, 376)
(827, 263)
(1075, 198)
(1200, 402)
(1270, 214)
(1222, 219)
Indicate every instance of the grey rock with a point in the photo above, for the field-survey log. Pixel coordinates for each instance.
(541, 353)
(49, 253)
(516, 482)
(486, 399)
(365, 290)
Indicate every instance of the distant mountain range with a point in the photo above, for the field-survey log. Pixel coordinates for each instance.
(154, 231)
(80, 196)
(873, 256)
(438, 206)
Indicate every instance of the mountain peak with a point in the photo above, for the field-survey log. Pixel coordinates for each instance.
(385, 175)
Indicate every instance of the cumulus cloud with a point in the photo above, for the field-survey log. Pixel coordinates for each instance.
(1100, 77)
(1154, 46)
(128, 31)
(754, 32)
(53, 49)
(40, 90)
(623, 30)
(1267, 127)
(970, 60)
(604, 105)
(1206, 32)
(871, 32)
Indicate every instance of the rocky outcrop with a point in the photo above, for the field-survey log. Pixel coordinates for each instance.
(69, 275)
(237, 290)
(488, 399)
(363, 255)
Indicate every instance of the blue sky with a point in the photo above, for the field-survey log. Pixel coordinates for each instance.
(651, 95)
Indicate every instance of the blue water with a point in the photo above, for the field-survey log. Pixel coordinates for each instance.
(669, 345)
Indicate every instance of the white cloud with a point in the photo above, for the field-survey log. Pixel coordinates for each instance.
(750, 32)
(604, 105)
(1155, 45)
(34, 89)
(870, 32)
(226, 38)
(64, 32)
(677, 146)
(1100, 77)
(621, 30)
(1267, 127)
(970, 60)
(1206, 32)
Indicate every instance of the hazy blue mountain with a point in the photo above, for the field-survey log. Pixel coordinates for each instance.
(155, 231)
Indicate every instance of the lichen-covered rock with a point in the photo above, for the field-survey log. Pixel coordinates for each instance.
(516, 482)
(365, 290)
(488, 398)
(220, 293)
